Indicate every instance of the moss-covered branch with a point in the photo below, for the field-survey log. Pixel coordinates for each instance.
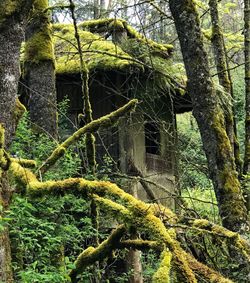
(26, 163)
(87, 109)
(206, 272)
(91, 254)
(21, 175)
(217, 230)
(162, 275)
(139, 244)
(136, 213)
(105, 121)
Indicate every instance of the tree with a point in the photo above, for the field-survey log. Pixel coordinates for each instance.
(13, 18)
(246, 168)
(40, 70)
(223, 71)
(210, 117)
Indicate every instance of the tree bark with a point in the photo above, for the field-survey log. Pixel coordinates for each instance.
(247, 84)
(40, 71)
(224, 79)
(13, 17)
(210, 117)
(246, 169)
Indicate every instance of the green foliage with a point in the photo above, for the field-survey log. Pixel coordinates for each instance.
(38, 147)
(150, 262)
(192, 161)
(47, 234)
(203, 202)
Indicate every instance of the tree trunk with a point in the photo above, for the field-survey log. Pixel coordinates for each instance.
(96, 9)
(40, 71)
(210, 117)
(246, 169)
(224, 79)
(247, 84)
(13, 17)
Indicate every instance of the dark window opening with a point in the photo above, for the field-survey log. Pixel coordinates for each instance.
(152, 137)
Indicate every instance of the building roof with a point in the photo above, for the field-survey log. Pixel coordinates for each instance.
(98, 53)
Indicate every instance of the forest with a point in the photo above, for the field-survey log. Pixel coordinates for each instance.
(125, 141)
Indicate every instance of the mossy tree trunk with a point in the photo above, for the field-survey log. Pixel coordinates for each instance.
(246, 169)
(13, 15)
(247, 85)
(210, 117)
(40, 70)
(224, 78)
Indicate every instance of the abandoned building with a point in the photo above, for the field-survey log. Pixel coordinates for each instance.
(123, 64)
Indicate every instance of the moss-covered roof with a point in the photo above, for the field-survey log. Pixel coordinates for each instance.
(111, 25)
(98, 53)
(133, 54)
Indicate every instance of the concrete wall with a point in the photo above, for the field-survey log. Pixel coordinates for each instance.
(158, 169)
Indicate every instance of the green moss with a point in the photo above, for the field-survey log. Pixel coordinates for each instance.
(95, 24)
(116, 24)
(91, 255)
(93, 126)
(1, 136)
(19, 111)
(25, 162)
(90, 151)
(162, 275)
(40, 5)
(162, 48)
(8, 8)
(136, 213)
(39, 47)
(22, 175)
(98, 53)
(218, 124)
